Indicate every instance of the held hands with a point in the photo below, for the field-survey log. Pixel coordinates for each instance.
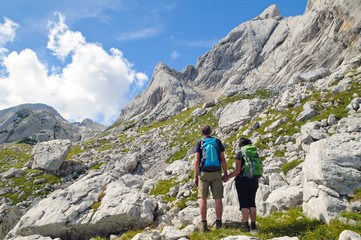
(225, 178)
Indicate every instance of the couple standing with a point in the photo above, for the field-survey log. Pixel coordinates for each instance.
(211, 177)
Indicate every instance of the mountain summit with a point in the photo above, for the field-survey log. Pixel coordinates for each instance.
(265, 51)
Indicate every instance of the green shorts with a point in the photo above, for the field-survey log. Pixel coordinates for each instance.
(213, 180)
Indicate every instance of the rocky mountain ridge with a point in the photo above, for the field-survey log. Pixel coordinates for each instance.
(268, 50)
(38, 123)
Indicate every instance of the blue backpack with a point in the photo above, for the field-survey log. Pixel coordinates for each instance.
(210, 161)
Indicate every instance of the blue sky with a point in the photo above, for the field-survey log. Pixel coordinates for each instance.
(88, 58)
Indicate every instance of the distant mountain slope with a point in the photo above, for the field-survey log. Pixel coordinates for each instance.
(32, 106)
(39, 122)
(268, 50)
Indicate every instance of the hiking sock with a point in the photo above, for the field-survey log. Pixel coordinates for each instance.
(245, 227)
(218, 223)
(204, 226)
(253, 225)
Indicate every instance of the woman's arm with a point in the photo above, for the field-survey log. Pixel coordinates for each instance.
(236, 171)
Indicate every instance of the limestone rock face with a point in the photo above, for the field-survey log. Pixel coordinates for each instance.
(72, 210)
(332, 171)
(268, 50)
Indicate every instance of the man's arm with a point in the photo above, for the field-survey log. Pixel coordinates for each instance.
(197, 161)
(224, 164)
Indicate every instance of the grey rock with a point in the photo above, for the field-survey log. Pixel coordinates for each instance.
(276, 124)
(198, 112)
(50, 155)
(349, 235)
(284, 198)
(14, 172)
(241, 237)
(331, 170)
(314, 75)
(240, 112)
(355, 104)
(9, 216)
(309, 110)
(332, 120)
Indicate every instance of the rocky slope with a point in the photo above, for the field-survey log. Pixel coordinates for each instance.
(308, 134)
(305, 121)
(39, 122)
(268, 50)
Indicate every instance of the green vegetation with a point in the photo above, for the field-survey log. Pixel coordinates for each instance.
(357, 195)
(96, 204)
(129, 235)
(26, 183)
(290, 165)
(14, 155)
(163, 186)
(279, 224)
(31, 182)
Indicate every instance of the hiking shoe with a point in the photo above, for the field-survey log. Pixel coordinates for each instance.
(253, 226)
(245, 227)
(204, 226)
(218, 223)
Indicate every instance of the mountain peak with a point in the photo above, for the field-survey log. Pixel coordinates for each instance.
(270, 12)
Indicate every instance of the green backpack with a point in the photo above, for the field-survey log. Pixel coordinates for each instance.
(253, 165)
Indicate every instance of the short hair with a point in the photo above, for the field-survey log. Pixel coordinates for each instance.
(206, 130)
(244, 141)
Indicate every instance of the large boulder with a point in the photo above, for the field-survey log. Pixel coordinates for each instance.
(99, 203)
(50, 155)
(240, 112)
(283, 198)
(332, 171)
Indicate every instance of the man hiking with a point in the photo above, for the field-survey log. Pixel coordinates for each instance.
(209, 160)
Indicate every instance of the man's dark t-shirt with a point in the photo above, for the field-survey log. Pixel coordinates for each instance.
(199, 149)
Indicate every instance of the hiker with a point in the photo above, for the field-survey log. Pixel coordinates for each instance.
(209, 160)
(246, 186)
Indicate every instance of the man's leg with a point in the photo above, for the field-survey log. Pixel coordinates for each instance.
(203, 208)
(219, 208)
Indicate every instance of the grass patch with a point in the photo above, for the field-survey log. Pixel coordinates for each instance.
(129, 235)
(96, 204)
(279, 224)
(162, 187)
(28, 187)
(15, 155)
(290, 165)
(357, 196)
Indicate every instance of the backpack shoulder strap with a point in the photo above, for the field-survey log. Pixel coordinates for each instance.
(244, 152)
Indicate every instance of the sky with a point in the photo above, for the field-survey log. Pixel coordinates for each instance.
(89, 58)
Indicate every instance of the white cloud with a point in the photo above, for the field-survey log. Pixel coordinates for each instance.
(93, 85)
(62, 41)
(175, 55)
(7, 31)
